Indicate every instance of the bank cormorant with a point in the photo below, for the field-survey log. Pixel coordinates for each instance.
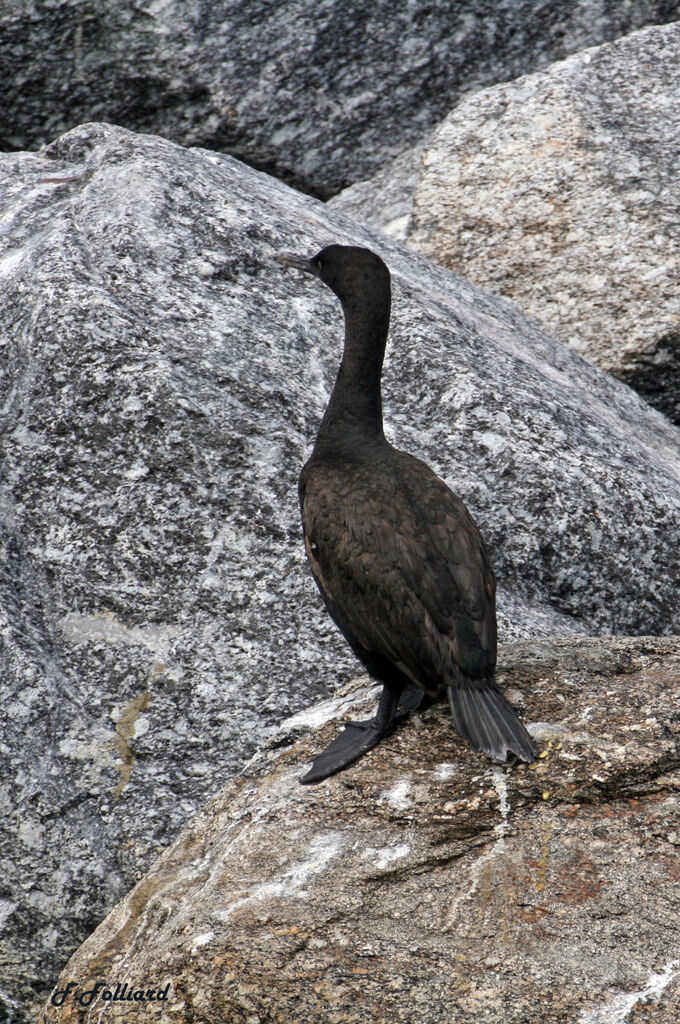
(397, 557)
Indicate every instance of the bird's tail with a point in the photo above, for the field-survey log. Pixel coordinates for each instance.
(483, 716)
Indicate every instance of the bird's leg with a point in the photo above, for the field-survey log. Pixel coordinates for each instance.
(355, 740)
(412, 699)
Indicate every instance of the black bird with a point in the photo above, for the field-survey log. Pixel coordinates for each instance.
(399, 561)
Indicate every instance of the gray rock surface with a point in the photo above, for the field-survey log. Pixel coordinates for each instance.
(162, 383)
(559, 192)
(320, 94)
(384, 201)
(422, 884)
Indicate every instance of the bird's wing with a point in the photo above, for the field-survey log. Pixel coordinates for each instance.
(403, 570)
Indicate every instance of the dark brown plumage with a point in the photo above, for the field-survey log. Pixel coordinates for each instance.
(398, 559)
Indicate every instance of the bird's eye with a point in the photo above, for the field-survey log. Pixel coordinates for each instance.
(319, 264)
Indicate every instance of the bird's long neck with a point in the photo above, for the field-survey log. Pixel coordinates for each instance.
(354, 412)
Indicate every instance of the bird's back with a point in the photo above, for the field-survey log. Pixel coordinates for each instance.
(400, 563)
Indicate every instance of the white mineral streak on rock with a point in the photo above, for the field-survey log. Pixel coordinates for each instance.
(201, 940)
(616, 1010)
(10, 261)
(326, 710)
(497, 849)
(290, 884)
(6, 909)
(81, 628)
(444, 772)
(385, 857)
(399, 796)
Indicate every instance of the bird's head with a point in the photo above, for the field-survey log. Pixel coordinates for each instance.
(348, 270)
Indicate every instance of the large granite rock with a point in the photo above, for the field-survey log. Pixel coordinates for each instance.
(162, 382)
(559, 191)
(422, 884)
(320, 94)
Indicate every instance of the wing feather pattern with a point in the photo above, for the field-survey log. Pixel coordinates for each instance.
(402, 568)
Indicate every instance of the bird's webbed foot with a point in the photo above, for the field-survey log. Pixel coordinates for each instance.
(355, 740)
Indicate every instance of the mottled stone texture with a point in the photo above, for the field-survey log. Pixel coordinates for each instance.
(560, 192)
(162, 382)
(384, 202)
(318, 93)
(421, 884)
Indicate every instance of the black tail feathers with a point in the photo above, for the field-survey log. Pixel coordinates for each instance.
(483, 716)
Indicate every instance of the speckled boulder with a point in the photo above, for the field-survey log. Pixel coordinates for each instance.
(423, 880)
(319, 94)
(559, 192)
(162, 382)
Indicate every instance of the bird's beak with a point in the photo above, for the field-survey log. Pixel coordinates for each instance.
(299, 262)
